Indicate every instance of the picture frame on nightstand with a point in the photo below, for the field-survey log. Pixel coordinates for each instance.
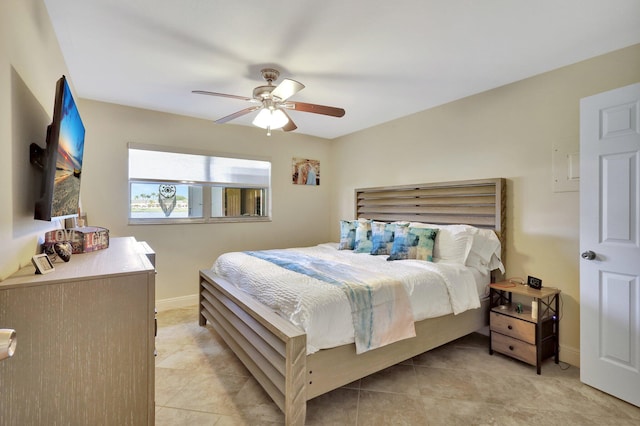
(43, 263)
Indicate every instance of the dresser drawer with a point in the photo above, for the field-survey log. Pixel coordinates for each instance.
(513, 327)
(514, 348)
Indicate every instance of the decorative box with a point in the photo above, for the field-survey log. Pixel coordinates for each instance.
(83, 239)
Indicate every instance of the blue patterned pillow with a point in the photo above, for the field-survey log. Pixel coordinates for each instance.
(400, 246)
(347, 234)
(426, 242)
(382, 237)
(413, 243)
(363, 237)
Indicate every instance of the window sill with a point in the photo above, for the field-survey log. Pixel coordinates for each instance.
(185, 221)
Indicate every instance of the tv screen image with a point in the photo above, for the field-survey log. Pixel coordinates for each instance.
(61, 161)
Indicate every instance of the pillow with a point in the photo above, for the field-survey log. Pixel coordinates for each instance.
(413, 243)
(485, 243)
(382, 237)
(486, 250)
(453, 242)
(347, 234)
(363, 243)
(482, 265)
(426, 238)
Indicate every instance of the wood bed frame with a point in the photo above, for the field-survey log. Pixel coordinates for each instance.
(274, 350)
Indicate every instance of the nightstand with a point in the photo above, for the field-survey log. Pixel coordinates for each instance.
(521, 335)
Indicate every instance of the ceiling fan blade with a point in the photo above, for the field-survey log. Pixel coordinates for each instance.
(223, 95)
(238, 114)
(290, 125)
(287, 88)
(316, 109)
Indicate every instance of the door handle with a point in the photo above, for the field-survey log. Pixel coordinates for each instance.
(588, 255)
(8, 343)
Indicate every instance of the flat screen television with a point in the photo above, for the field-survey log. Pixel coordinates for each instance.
(61, 159)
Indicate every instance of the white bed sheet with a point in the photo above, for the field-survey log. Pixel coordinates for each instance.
(323, 311)
(482, 280)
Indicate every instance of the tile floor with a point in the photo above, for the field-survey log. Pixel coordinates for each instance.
(200, 382)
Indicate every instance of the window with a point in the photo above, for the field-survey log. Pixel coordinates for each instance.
(171, 186)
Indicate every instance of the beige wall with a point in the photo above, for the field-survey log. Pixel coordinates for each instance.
(507, 132)
(30, 64)
(300, 214)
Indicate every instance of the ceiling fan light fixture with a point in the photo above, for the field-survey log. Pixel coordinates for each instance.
(270, 119)
(273, 100)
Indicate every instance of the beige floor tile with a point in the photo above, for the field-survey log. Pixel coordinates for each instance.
(168, 383)
(572, 396)
(552, 417)
(448, 383)
(209, 392)
(254, 403)
(381, 408)
(242, 421)
(204, 359)
(442, 411)
(455, 412)
(177, 316)
(471, 358)
(178, 417)
(399, 378)
(339, 407)
(199, 381)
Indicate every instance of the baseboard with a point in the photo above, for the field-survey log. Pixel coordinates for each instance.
(570, 355)
(177, 302)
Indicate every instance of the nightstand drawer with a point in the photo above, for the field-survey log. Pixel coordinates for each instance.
(514, 348)
(513, 327)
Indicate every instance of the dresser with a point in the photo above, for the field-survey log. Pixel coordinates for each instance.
(85, 337)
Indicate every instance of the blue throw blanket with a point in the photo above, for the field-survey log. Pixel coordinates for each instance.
(380, 307)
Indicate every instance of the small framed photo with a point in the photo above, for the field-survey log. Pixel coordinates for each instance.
(42, 263)
(305, 171)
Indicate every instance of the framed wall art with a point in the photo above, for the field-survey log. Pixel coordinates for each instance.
(305, 171)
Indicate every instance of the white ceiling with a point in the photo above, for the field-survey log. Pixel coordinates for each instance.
(379, 60)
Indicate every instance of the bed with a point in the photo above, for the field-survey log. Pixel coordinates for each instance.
(275, 351)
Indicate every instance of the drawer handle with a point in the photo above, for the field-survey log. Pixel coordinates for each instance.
(510, 327)
(510, 347)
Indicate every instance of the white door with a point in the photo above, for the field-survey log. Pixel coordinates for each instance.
(610, 231)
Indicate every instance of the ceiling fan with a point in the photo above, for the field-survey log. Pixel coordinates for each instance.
(272, 101)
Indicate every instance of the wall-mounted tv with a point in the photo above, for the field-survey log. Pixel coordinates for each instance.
(61, 159)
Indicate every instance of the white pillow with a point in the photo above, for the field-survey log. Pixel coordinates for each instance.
(468, 245)
(453, 242)
(486, 250)
(475, 261)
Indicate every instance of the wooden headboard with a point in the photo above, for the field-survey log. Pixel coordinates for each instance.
(481, 203)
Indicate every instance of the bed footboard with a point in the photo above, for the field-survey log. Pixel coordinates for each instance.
(271, 348)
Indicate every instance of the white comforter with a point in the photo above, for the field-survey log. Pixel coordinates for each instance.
(323, 311)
